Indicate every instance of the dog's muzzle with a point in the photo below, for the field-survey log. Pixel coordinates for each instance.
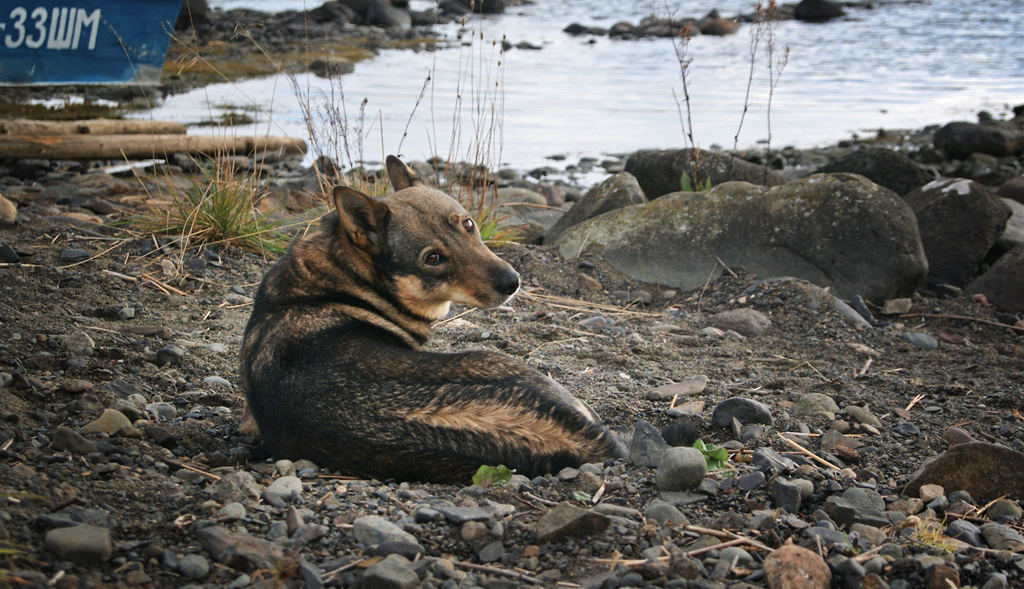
(506, 282)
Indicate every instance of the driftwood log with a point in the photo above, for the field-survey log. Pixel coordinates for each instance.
(90, 127)
(120, 147)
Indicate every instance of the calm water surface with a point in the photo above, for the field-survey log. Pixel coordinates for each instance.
(900, 65)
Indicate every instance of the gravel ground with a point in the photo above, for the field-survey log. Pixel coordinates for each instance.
(165, 491)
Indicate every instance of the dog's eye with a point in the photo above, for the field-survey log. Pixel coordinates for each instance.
(433, 259)
(469, 225)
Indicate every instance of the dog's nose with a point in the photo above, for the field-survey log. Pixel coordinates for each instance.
(507, 283)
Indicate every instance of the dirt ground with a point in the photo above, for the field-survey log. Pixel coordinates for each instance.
(973, 380)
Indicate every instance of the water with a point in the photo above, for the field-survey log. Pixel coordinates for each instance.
(900, 65)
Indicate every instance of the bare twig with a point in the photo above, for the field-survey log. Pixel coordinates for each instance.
(496, 571)
(962, 318)
(807, 452)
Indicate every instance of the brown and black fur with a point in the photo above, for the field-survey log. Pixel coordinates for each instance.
(331, 364)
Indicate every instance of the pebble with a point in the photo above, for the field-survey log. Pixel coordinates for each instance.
(169, 355)
(929, 493)
(565, 519)
(746, 322)
(786, 495)
(109, 422)
(392, 572)
(66, 439)
(83, 543)
(813, 404)
(690, 386)
(283, 490)
(663, 511)
(126, 313)
(193, 566)
(1004, 508)
(217, 349)
(920, 340)
(745, 410)
(233, 511)
(239, 550)
(680, 469)
(647, 446)
(73, 254)
(217, 380)
(793, 567)
(493, 552)
(372, 530)
(161, 410)
(78, 344)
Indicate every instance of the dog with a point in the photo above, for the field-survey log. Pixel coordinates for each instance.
(331, 363)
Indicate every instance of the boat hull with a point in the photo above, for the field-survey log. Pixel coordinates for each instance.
(85, 41)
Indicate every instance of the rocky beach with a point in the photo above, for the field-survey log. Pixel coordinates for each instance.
(845, 322)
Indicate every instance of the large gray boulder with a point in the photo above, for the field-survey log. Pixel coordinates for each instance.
(1003, 284)
(884, 167)
(818, 10)
(960, 139)
(837, 230)
(618, 191)
(959, 221)
(659, 171)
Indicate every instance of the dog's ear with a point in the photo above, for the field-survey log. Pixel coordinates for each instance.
(363, 218)
(401, 175)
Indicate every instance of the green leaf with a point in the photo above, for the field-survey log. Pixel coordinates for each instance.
(581, 496)
(714, 456)
(684, 183)
(492, 475)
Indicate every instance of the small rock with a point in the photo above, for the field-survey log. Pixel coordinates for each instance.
(955, 435)
(83, 543)
(392, 572)
(861, 415)
(941, 576)
(965, 531)
(162, 410)
(309, 533)
(680, 469)
(920, 340)
(786, 495)
(1000, 537)
(231, 512)
(747, 322)
(770, 461)
(750, 481)
(218, 381)
(109, 422)
(73, 254)
(235, 487)
(473, 532)
(126, 313)
(647, 445)
(283, 490)
(239, 551)
(793, 567)
(747, 411)
(373, 530)
(687, 387)
(169, 355)
(813, 404)
(929, 493)
(1004, 508)
(663, 511)
(66, 439)
(897, 306)
(78, 344)
(493, 552)
(193, 566)
(566, 519)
